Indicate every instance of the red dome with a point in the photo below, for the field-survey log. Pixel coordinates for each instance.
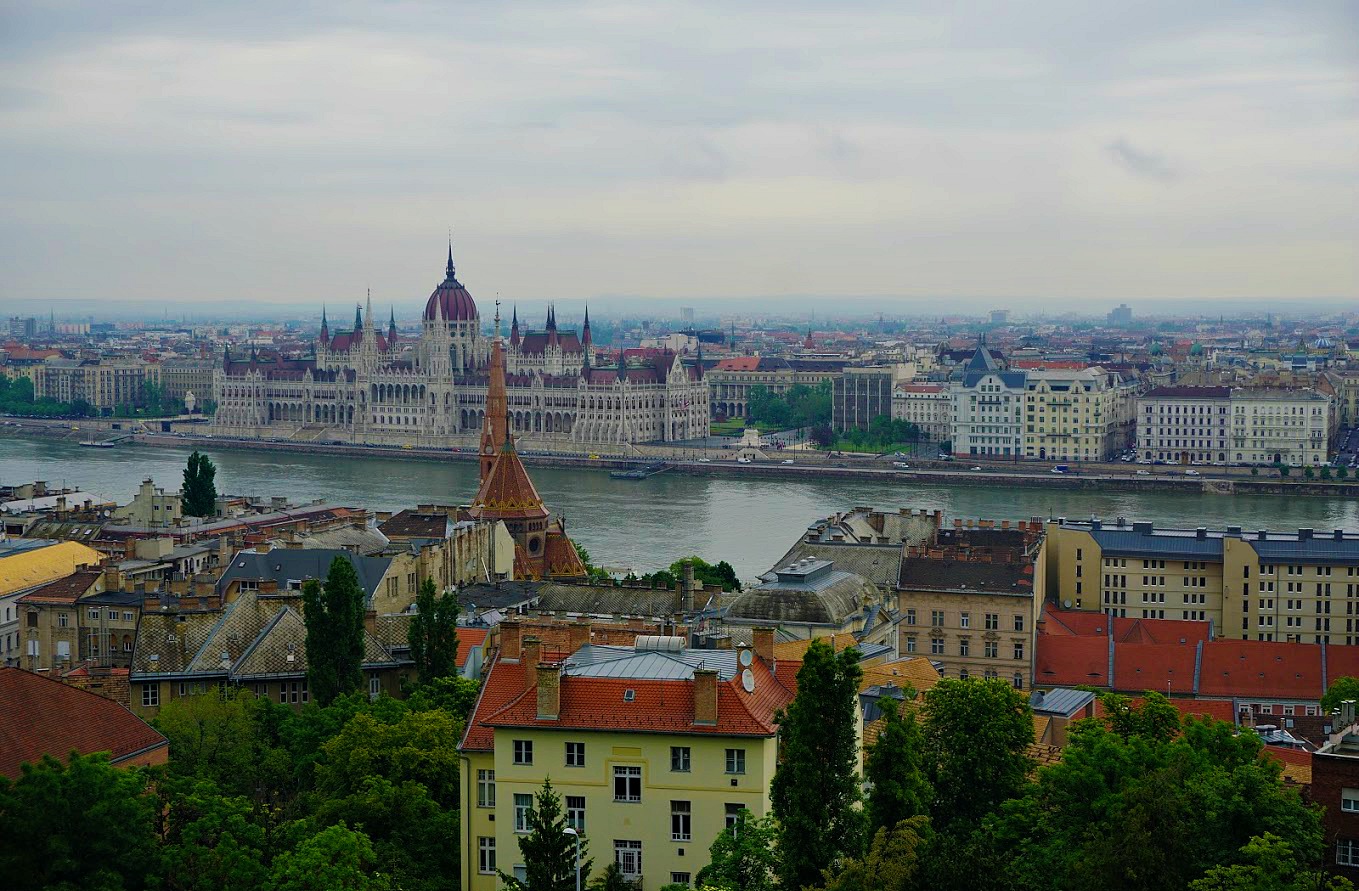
(451, 299)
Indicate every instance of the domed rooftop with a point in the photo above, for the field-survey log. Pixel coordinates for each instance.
(451, 299)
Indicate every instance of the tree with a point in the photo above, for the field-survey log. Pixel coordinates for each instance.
(1342, 473)
(419, 747)
(815, 791)
(892, 862)
(1267, 864)
(977, 733)
(227, 740)
(549, 854)
(434, 633)
(742, 857)
(410, 832)
(895, 769)
(722, 574)
(1155, 719)
(210, 842)
(199, 496)
(334, 616)
(85, 824)
(593, 573)
(611, 879)
(335, 859)
(821, 435)
(1341, 689)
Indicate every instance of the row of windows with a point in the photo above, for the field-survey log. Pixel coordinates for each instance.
(681, 760)
(991, 621)
(990, 648)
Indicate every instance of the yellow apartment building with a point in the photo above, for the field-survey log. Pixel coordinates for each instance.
(1078, 415)
(653, 748)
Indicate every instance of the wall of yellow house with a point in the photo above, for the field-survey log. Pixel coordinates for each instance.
(707, 787)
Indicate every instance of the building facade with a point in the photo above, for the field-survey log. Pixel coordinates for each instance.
(366, 385)
(1280, 427)
(731, 380)
(859, 395)
(987, 408)
(1264, 586)
(927, 406)
(1082, 415)
(652, 747)
(1184, 425)
(105, 383)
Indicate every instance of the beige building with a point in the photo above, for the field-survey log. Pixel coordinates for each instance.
(450, 548)
(1275, 586)
(1280, 427)
(731, 380)
(1182, 425)
(924, 405)
(151, 506)
(1078, 415)
(104, 384)
(969, 600)
(180, 377)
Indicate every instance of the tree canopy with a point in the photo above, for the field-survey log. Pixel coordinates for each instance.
(548, 851)
(742, 857)
(1341, 689)
(198, 497)
(433, 633)
(894, 769)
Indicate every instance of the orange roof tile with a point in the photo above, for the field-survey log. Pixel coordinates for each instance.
(46, 717)
(507, 492)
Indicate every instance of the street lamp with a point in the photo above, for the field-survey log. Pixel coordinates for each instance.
(571, 830)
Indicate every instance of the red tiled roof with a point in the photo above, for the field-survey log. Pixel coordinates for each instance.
(1068, 661)
(1261, 669)
(1164, 668)
(657, 706)
(508, 492)
(64, 590)
(468, 640)
(46, 717)
(740, 363)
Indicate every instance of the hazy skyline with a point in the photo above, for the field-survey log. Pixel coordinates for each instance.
(198, 153)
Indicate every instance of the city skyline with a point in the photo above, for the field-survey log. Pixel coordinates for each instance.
(1048, 156)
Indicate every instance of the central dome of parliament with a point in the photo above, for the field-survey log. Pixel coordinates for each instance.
(450, 299)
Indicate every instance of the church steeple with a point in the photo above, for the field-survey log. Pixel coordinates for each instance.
(450, 270)
(391, 329)
(585, 338)
(358, 318)
(495, 427)
(514, 327)
(325, 328)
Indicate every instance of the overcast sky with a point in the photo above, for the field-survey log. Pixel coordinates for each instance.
(303, 152)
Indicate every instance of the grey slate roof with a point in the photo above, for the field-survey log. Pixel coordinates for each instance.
(1302, 546)
(1061, 701)
(877, 563)
(597, 661)
(298, 564)
(607, 600)
(829, 596)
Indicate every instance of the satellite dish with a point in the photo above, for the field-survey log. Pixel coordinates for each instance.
(748, 680)
(745, 658)
(1067, 603)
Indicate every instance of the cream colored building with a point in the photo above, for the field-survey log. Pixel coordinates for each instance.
(731, 380)
(1275, 586)
(969, 600)
(1280, 427)
(1079, 415)
(925, 405)
(104, 384)
(151, 506)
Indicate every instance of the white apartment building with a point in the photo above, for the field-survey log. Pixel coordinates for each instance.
(1280, 427)
(1083, 414)
(1184, 424)
(987, 408)
(924, 405)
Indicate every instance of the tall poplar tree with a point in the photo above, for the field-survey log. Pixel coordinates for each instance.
(815, 792)
(199, 495)
(895, 769)
(434, 634)
(334, 616)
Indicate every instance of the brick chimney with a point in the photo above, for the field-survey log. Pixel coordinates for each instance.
(687, 589)
(113, 579)
(529, 659)
(578, 635)
(763, 643)
(549, 692)
(705, 696)
(509, 639)
(370, 622)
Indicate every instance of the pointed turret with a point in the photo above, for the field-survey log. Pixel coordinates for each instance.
(514, 327)
(495, 426)
(391, 329)
(450, 270)
(325, 326)
(623, 364)
(370, 322)
(698, 365)
(585, 338)
(358, 318)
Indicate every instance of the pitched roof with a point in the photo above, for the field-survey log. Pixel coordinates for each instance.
(1262, 669)
(508, 492)
(65, 590)
(283, 565)
(36, 562)
(46, 717)
(413, 523)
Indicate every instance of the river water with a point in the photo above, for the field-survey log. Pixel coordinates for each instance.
(641, 524)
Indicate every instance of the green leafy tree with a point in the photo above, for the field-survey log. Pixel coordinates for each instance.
(1267, 864)
(548, 852)
(892, 862)
(434, 633)
(611, 879)
(1341, 689)
(1284, 470)
(410, 832)
(199, 495)
(334, 616)
(1308, 473)
(210, 841)
(977, 734)
(895, 769)
(335, 859)
(420, 747)
(722, 573)
(594, 573)
(228, 739)
(742, 857)
(815, 792)
(1155, 719)
(454, 695)
(1342, 472)
(85, 824)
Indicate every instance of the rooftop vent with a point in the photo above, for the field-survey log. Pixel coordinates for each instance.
(629, 695)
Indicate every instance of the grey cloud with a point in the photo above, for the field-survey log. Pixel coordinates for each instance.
(1139, 162)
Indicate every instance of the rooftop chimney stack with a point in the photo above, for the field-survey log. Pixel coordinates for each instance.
(763, 643)
(549, 692)
(705, 697)
(529, 659)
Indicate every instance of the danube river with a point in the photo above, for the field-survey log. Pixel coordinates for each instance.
(641, 524)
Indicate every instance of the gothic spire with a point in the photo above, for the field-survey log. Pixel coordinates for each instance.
(358, 317)
(450, 269)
